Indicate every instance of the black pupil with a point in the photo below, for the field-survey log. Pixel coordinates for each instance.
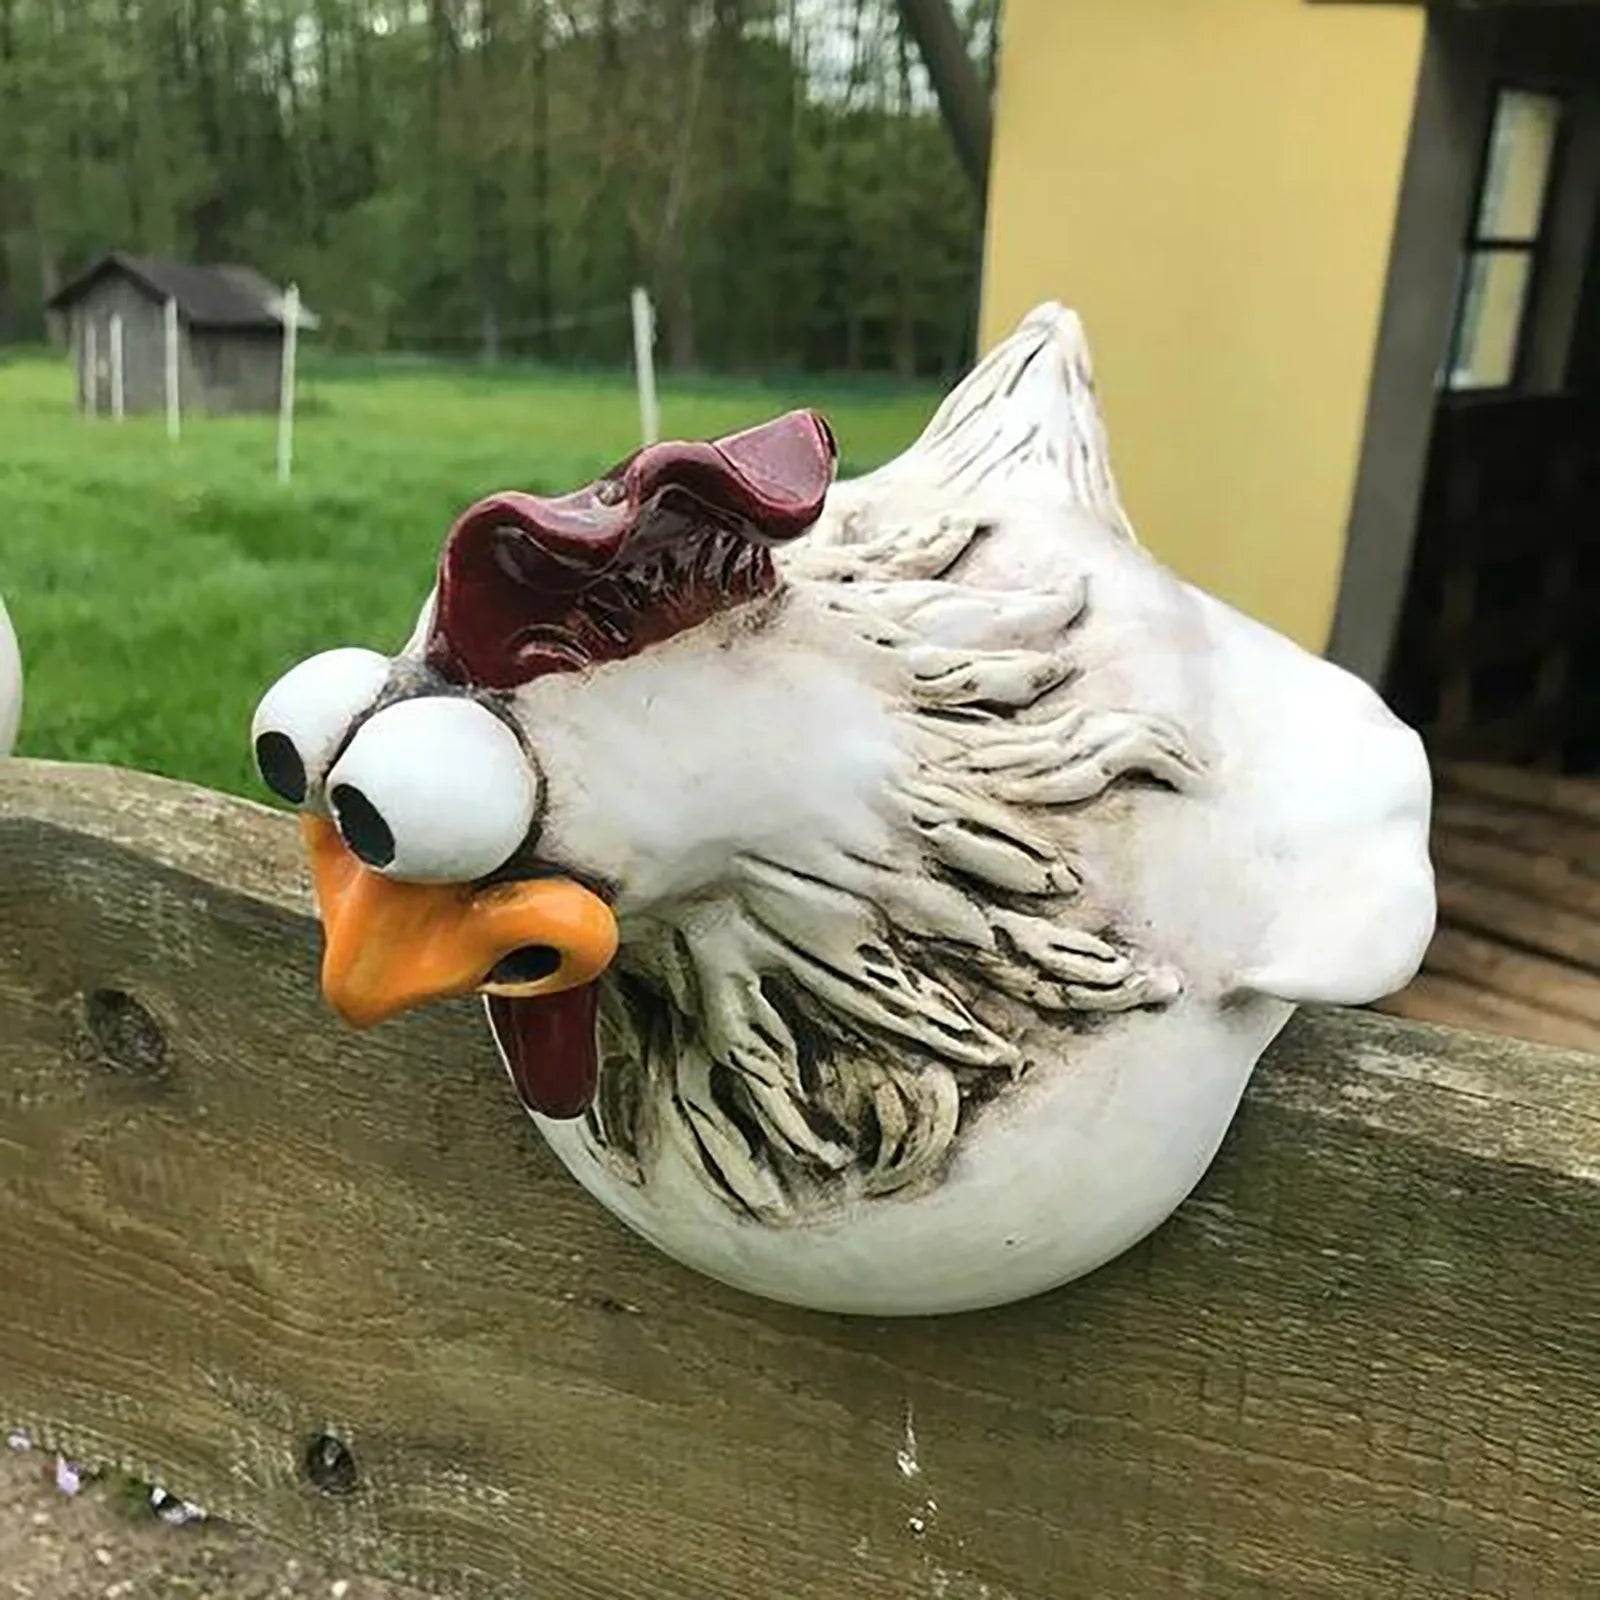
(527, 965)
(364, 830)
(282, 770)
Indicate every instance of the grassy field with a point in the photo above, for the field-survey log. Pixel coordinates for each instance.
(158, 589)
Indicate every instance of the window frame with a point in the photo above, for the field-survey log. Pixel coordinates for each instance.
(1535, 250)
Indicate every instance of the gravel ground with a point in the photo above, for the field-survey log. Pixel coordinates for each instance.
(98, 1545)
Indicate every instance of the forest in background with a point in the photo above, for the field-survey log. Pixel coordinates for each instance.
(490, 177)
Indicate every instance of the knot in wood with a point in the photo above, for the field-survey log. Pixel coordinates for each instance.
(127, 1036)
(329, 1466)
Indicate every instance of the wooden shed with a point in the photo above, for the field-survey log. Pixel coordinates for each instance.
(229, 334)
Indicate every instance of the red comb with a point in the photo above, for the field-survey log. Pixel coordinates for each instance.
(677, 533)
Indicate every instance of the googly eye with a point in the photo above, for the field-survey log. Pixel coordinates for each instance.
(303, 718)
(433, 790)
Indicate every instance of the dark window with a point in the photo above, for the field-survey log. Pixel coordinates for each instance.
(1500, 263)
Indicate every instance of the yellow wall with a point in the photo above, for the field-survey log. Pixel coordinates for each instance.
(1212, 184)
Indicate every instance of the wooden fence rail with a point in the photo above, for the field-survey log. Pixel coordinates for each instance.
(331, 1285)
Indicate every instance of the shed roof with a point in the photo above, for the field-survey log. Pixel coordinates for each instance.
(208, 296)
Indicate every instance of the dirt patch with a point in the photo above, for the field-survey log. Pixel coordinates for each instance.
(101, 1545)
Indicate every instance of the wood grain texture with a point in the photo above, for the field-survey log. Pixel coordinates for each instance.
(1363, 1360)
(1458, 1002)
(1515, 826)
(1517, 854)
(1577, 798)
(1521, 917)
(1548, 985)
(1536, 865)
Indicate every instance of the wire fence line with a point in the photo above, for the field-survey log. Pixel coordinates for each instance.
(488, 335)
(102, 370)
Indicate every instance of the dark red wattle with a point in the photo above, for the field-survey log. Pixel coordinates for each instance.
(550, 1048)
(677, 533)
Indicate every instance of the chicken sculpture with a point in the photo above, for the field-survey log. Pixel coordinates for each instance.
(883, 920)
(10, 684)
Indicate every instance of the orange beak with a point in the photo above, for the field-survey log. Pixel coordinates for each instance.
(390, 946)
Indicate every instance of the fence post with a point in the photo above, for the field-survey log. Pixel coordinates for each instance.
(291, 335)
(91, 367)
(117, 396)
(174, 402)
(644, 361)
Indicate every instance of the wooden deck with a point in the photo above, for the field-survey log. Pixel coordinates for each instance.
(1518, 948)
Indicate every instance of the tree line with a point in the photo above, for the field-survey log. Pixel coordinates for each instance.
(492, 176)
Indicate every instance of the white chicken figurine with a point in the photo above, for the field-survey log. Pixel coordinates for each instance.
(10, 684)
(885, 920)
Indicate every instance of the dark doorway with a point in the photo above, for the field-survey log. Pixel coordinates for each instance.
(1497, 653)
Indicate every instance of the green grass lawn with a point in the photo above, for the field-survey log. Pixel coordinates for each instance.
(158, 589)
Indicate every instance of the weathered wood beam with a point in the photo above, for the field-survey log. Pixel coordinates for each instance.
(1363, 1360)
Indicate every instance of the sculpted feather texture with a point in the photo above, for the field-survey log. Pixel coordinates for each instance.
(945, 870)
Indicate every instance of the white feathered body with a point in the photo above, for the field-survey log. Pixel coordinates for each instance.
(964, 886)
